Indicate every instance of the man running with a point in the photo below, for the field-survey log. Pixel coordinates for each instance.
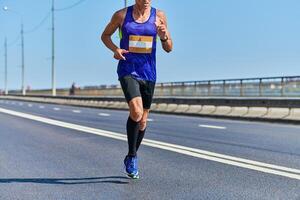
(139, 27)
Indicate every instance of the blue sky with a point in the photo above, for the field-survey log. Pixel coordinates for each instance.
(213, 39)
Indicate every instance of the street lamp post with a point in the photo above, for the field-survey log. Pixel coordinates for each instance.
(53, 40)
(5, 65)
(5, 8)
(23, 62)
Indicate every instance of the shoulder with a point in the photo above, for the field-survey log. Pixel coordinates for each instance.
(160, 13)
(120, 14)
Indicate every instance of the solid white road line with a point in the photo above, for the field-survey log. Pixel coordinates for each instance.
(198, 153)
(104, 114)
(56, 108)
(41, 107)
(210, 126)
(76, 111)
(29, 105)
(150, 120)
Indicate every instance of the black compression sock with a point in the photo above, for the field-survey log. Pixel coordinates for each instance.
(140, 138)
(132, 136)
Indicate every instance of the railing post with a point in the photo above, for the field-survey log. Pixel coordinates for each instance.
(260, 87)
(171, 89)
(209, 89)
(282, 86)
(195, 89)
(224, 88)
(241, 88)
(182, 89)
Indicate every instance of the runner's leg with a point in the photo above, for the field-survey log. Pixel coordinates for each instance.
(136, 114)
(142, 128)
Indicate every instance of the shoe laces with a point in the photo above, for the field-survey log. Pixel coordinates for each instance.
(132, 163)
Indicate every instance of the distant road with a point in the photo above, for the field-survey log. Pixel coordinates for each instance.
(67, 153)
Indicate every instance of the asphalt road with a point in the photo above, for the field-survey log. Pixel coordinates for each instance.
(181, 158)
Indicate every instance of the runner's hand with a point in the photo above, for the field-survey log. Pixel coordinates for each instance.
(118, 54)
(161, 29)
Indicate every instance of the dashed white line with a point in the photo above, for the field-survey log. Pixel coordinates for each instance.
(76, 111)
(20, 104)
(41, 107)
(150, 120)
(210, 126)
(104, 114)
(29, 105)
(56, 108)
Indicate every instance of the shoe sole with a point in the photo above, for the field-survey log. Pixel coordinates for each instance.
(132, 176)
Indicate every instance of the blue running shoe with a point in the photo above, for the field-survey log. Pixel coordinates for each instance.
(131, 167)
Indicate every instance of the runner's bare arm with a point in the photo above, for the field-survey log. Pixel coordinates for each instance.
(113, 25)
(163, 32)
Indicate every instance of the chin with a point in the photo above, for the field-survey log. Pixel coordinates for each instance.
(147, 5)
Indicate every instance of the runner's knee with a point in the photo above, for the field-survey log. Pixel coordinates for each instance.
(136, 114)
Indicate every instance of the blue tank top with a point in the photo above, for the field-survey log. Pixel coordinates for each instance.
(140, 40)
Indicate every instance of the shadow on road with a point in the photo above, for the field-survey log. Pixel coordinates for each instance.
(69, 181)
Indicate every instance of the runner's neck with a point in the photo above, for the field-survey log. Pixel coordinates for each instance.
(141, 11)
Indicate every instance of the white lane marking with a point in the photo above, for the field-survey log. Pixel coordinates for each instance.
(20, 104)
(76, 111)
(198, 153)
(41, 107)
(210, 126)
(150, 120)
(29, 105)
(104, 114)
(56, 108)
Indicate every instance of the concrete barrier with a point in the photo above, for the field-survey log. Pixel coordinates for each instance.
(238, 111)
(194, 109)
(122, 105)
(256, 112)
(171, 107)
(223, 110)
(277, 113)
(162, 107)
(207, 110)
(153, 106)
(114, 104)
(105, 103)
(294, 114)
(182, 108)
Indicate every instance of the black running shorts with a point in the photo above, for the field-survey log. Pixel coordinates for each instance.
(138, 88)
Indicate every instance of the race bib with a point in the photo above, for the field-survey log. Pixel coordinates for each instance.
(140, 44)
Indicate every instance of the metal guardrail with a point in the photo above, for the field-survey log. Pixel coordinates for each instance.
(287, 86)
(251, 87)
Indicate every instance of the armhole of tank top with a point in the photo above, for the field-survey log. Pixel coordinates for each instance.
(155, 17)
(120, 28)
(153, 13)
